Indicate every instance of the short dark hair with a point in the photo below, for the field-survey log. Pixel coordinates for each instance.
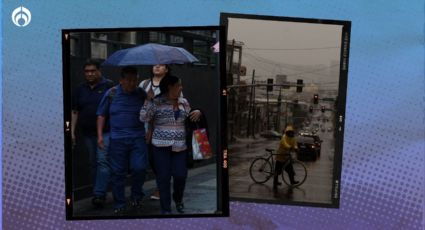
(167, 81)
(128, 70)
(94, 62)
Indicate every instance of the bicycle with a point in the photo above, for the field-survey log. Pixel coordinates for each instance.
(262, 169)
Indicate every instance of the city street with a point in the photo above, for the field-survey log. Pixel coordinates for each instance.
(316, 189)
(200, 197)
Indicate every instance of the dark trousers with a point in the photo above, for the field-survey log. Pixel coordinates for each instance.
(151, 159)
(99, 163)
(278, 170)
(170, 164)
(123, 151)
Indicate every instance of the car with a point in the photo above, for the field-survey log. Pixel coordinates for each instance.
(329, 129)
(307, 150)
(317, 141)
(315, 126)
(271, 134)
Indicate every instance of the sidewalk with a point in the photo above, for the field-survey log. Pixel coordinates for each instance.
(200, 197)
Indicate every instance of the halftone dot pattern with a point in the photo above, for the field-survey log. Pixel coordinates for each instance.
(1, 110)
(382, 183)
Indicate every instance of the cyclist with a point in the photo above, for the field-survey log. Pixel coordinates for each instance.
(287, 144)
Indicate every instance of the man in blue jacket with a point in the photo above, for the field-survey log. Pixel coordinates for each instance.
(122, 105)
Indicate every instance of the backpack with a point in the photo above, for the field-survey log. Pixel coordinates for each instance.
(113, 92)
(145, 83)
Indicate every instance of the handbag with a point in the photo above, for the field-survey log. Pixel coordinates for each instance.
(201, 148)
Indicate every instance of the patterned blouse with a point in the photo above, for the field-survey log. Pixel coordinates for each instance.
(168, 130)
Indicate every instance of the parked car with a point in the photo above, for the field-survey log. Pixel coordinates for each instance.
(271, 134)
(317, 141)
(307, 148)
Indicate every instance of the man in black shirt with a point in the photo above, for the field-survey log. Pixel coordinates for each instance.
(86, 99)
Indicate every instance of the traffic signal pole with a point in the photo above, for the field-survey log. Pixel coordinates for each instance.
(267, 110)
(250, 107)
(279, 102)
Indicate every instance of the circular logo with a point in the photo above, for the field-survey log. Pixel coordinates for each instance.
(21, 16)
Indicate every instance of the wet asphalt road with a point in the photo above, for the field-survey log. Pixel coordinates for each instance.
(316, 189)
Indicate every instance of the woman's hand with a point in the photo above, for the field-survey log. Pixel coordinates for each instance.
(195, 115)
(148, 136)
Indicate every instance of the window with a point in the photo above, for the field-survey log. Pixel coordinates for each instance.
(98, 49)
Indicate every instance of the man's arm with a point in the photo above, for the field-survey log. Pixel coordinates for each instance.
(74, 118)
(284, 144)
(102, 111)
(100, 123)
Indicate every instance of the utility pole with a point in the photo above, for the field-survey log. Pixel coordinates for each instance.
(279, 101)
(232, 103)
(250, 106)
(286, 114)
(254, 112)
(267, 111)
(268, 88)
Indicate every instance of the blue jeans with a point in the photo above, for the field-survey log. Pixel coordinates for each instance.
(122, 152)
(170, 164)
(99, 164)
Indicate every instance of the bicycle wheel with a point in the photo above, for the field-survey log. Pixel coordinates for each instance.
(260, 170)
(300, 174)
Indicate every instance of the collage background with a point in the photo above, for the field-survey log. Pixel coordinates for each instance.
(382, 182)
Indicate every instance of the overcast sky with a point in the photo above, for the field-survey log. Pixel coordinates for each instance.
(300, 50)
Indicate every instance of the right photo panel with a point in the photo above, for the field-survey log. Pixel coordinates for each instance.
(286, 94)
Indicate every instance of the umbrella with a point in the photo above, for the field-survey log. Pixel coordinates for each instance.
(150, 54)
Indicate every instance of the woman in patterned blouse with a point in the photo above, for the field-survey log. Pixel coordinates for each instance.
(168, 111)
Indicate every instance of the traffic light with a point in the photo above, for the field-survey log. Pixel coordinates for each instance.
(270, 87)
(323, 109)
(299, 88)
(311, 109)
(316, 99)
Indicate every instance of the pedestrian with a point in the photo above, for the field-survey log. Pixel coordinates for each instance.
(85, 101)
(151, 87)
(122, 104)
(287, 144)
(168, 112)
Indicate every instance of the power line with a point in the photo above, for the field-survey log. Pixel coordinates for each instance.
(314, 71)
(292, 49)
(281, 65)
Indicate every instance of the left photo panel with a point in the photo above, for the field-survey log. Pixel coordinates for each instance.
(143, 124)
